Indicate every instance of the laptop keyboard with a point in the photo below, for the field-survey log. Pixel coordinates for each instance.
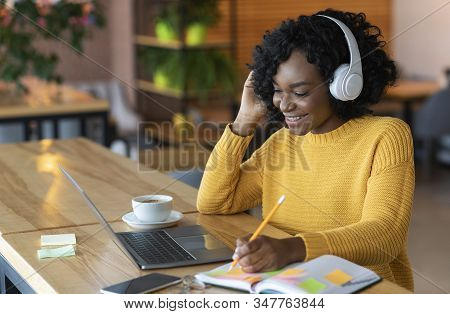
(156, 247)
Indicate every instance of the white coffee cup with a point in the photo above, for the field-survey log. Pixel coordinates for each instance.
(152, 208)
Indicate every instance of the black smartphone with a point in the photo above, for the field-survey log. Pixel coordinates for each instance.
(148, 283)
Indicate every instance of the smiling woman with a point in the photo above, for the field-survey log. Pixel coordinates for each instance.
(324, 47)
(348, 176)
(301, 95)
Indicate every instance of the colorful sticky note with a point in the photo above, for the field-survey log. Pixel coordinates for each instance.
(58, 239)
(216, 273)
(68, 250)
(291, 272)
(312, 285)
(253, 279)
(273, 273)
(237, 271)
(338, 277)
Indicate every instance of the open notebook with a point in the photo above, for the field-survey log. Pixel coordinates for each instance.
(325, 274)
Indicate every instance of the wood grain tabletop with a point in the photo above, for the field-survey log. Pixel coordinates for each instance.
(35, 199)
(34, 195)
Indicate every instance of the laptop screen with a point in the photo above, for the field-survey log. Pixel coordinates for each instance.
(99, 216)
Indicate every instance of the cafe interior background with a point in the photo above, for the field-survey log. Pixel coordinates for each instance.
(152, 80)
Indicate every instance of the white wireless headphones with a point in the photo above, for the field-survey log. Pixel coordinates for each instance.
(348, 78)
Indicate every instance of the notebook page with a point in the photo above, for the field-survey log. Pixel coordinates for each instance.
(236, 278)
(325, 274)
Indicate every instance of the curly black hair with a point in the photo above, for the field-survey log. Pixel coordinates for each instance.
(323, 44)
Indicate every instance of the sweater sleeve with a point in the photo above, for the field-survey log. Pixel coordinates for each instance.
(382, 231)
(229, 186)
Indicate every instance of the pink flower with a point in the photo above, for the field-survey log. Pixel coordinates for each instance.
(44, 10)
(6, 20)
(43, 7)
(73, 20)
(77, 21)
(85, 20)
(42, 22)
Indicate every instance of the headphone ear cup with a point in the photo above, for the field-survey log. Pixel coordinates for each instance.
(337, 86)
(353, 86)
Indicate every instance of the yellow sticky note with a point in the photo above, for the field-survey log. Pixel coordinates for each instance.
(291, 272)
(58, 239)
(338, 277)
(68, 250)
(237, 271)
(253, 279)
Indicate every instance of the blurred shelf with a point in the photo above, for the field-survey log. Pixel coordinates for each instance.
(148, 86)
(152, 88)
(151, 41)
(164, 134)
(158, 104)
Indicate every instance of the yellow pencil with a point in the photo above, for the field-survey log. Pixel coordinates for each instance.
(261, 226)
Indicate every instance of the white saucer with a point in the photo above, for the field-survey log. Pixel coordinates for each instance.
(132, 221)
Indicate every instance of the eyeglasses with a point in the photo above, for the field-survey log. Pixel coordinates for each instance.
(189, 284)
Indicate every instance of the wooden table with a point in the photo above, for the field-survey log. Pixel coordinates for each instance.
(99, 262)
(34, 195)
(37, 200)
(49, 101)
(408, 92)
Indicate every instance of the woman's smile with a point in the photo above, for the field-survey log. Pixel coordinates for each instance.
(294, 121)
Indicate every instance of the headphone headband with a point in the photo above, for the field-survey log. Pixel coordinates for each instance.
(354, 67)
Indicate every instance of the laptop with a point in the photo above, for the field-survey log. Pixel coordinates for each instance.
(163, 248)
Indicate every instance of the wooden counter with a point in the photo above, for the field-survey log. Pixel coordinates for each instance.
(46, 99)
(407, 90)
(408, 93)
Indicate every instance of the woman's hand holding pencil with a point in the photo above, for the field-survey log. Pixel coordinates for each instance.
(262, 253)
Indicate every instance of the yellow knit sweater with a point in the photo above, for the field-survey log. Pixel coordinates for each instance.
(348, 192)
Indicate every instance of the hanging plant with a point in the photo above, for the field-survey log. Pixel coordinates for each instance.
(24, 21)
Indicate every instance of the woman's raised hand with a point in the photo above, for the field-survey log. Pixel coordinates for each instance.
(252, 110)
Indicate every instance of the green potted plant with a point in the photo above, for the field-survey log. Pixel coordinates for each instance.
(200, 15)
(195, 70)
(191, 17)
(199, 71)
(24, 21)
(167, 24)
